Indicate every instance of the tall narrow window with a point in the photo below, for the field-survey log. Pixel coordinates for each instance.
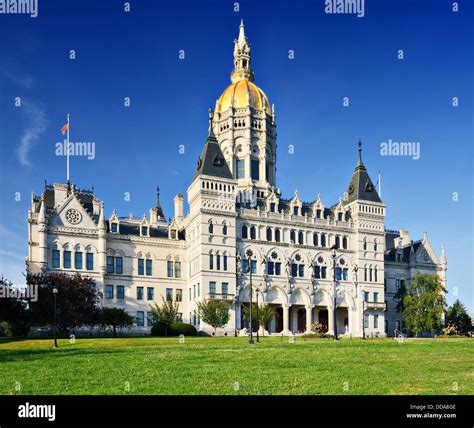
(90, 261)
(225, 261)
(144, 231)
(344, 243)
(67, 260)
(244, 232)
(225, 288)
(211, 261)
(277, 235)
(141, 267)
(300, 238)
(179, 295)
(139, 293)
(118, 265)
(315, 239)
(293, 237)
(56, 258)
(253, 232)
(169, 268)
(140, 318)
(269, 234)
(150, 293)
(253, 266)
(323, 240)
(376, 321)
(218, 262)
(212, 287)
(149, 271)
(337, 242)
(224, 229)
(109, 292)
(255, 169)
(177, 269)
(169, 294)
(120, 292)
(366, 320)
(240, 169)
(211, 228)
(78, 260)
(376, 297)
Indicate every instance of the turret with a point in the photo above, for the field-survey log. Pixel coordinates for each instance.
(42, 235)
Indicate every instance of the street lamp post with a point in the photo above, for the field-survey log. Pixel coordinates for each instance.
(258, 318)
(333, 248)
(55, 292)
(251, 326)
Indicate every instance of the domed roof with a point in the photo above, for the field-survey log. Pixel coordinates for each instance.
(242, 94)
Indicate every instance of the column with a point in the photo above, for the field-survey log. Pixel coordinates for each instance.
(238, 308)
(330, 320)
(316, 315)
(294, 319)
(309, 318)
(286, 320)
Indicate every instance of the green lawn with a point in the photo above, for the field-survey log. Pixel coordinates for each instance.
(229, 365)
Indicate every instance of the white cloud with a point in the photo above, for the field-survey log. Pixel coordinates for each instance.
(37, 120)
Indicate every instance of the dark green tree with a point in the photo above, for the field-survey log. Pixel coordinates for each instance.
(458, 319)
(115, 318)
(14, 311)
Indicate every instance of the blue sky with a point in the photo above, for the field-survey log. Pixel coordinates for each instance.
(136, 55)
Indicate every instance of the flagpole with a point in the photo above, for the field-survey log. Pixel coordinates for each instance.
(67, 147)
(380, 185)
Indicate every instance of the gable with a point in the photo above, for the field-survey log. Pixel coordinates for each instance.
(72, 214)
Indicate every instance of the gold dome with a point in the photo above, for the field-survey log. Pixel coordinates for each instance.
(242, 94)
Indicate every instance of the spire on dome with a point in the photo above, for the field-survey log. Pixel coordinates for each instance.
(242, 69)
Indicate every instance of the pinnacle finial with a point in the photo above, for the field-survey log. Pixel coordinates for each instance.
(157, 195)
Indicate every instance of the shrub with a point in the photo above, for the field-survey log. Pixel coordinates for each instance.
(5, 329)
(173, 329)
(318, 336)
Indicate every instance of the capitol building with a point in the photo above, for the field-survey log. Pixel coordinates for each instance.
(324, 262)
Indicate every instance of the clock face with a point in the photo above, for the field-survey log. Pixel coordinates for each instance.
(73, 216)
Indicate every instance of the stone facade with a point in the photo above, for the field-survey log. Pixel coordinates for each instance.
(238, 222)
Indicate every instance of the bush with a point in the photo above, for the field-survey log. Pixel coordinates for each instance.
(5, 329)
(318, 336)
(174, 329)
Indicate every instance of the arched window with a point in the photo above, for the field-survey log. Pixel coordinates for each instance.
(365, 274)
(375, 246)
(323, 240)
(319, 268)
(211, 228)
(365, 245)
(344, 243)
(292, 236)
(224, 229)
(315, 239)
(277, 235)
(337, 242)
(300, 238)
(253, 233)
(244, 232)
(269, 234)
(375, 274)
(370, 274)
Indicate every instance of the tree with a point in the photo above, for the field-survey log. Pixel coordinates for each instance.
(422, 303)
(213, 312)
(14, 311)
(165, 314)
(260, 317)
(255, 315)
(77, 300)
(457, 318)
(265, 314)
(115, 317)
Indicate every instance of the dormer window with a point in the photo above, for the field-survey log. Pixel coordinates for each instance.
(144, 230)
(295, 210)
(272, 207)
(318, 213)
(114, 227)
(173, 234)
(339, 216)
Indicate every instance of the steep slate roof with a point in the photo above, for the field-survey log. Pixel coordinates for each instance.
(212, 162)
(390, 254)
(361, 186)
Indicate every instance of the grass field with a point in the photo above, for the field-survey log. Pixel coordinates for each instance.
(229, 365)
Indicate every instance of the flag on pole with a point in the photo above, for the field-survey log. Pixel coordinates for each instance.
(65, 128)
